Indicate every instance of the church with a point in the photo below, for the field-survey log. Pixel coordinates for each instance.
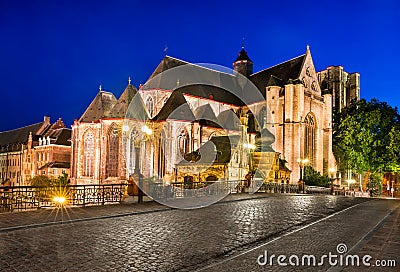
(195, 123)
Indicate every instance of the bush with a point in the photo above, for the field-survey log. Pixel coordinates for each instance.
(314, 178)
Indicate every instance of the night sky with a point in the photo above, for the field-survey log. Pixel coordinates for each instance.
(55, 54)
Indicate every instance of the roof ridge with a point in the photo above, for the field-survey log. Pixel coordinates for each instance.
(21, 127)
(204, 67)
(278, 64)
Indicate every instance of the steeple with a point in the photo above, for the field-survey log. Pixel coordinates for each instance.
(243, 63)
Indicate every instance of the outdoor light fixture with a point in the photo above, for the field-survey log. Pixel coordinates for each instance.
(59, 200)
(125, 128)
(147, 130)
(302, 163)
(249, 146)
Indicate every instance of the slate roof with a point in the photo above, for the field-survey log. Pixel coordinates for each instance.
(206, 153)
(19, 135)
(206, 117)
(137, 109)
(229, 120)
(243, 55)
(60, 136)
(280, 74)
(100, 107)
(55, 165)
(121, 106)
(175, 108)
(220, 86)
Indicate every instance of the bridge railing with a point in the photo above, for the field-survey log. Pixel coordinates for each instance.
(19, 198)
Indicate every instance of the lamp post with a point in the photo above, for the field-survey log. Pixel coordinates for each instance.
(146, 132)
(332, 172)
(302, 163)
(392, 190)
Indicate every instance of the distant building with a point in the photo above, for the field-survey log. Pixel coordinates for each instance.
(300, 113)
(39, 149)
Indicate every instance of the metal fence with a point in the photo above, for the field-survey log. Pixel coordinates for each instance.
(21, 198)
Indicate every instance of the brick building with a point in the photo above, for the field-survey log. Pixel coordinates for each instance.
(32, 150)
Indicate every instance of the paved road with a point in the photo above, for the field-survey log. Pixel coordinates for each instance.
(223, 237)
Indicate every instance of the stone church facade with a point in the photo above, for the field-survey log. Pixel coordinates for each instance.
(109, 142)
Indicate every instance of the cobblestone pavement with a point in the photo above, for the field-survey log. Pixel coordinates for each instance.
(150, 237)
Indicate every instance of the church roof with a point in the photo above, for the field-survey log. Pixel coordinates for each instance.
(100, 107)
(166, 64)
(175, 108)
(206, 117)
(137, 109)
(120, 108)
(19, 135)
(229, 120)
(206, 153)
(279, 74)
(242, 55)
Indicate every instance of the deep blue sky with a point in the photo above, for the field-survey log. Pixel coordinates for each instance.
(54, 55)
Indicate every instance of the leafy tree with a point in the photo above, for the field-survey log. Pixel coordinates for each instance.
(61, 181)
(314, 178)
(40, 181)
(364, 136)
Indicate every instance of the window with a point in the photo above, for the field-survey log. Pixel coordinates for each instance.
(262, 118)
(132, 151)
(150, 105)
(55, 171)
(113, 150)
(161, 157)
(183, 142)
(309, 138)
(88, 154)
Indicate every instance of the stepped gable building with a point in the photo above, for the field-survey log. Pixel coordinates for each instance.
(185, 118)
(39, 149)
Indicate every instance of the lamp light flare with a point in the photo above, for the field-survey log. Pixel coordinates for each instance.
(147, 130)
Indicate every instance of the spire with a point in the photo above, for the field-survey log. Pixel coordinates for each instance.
(243, 42)
(129, 80)
(100, 88)
(243, 64)
(308, 48)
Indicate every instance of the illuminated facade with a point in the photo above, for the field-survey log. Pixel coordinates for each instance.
(184, 121)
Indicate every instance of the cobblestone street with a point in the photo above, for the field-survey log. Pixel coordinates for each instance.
(150, 237)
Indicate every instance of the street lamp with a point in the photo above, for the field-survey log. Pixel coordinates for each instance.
(332, 172)
(147, 132)
(392, 190)
(302, 163)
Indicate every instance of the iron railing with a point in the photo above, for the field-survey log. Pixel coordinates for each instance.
(21, 198)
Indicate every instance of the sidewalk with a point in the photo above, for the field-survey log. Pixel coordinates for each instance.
(384, 244)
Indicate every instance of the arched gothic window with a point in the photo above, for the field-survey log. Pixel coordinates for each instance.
(150, 105)
(183, 142)
(309, 138)
(132, 151)
(262, 118)
(113, 152)
(88, 154)
(161, 157)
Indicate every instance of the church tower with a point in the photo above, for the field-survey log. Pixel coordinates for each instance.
(243, 64)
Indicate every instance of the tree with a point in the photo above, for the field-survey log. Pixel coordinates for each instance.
(364, 135)
(40, 181)
(61, 181)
